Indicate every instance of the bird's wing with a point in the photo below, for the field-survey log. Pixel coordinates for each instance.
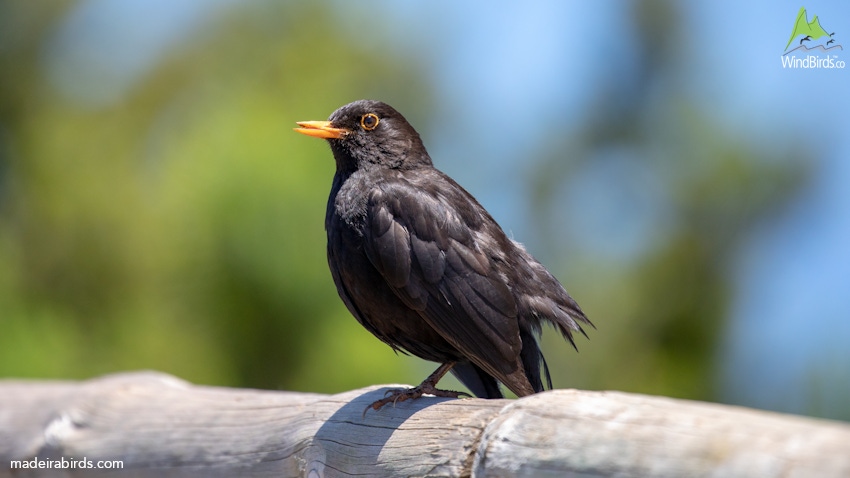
(436, 262)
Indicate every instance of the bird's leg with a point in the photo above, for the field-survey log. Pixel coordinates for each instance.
(428, 386)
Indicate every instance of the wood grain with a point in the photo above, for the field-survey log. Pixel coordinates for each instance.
(159, 425)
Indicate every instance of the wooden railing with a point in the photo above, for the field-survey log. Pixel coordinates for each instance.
(152, 424)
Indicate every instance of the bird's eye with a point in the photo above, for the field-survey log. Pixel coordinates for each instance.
(369, 121)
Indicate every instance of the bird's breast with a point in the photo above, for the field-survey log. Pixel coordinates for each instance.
(347, 201)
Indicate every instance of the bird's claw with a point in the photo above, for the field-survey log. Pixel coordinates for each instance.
(393, 391)
(401, 394)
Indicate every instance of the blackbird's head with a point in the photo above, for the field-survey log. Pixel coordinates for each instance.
(368, 134)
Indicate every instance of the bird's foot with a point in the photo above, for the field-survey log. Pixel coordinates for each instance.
(401, 394)
(428, 386)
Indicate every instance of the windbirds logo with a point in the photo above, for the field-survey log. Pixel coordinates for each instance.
(811, 38)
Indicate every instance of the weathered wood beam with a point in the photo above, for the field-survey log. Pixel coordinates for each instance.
(158, 425)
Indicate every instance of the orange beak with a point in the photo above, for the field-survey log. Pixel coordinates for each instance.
(320, 129)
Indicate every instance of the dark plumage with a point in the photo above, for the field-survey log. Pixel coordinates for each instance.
(425, 268)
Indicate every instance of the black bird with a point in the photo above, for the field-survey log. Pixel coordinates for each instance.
(830, 41)
(806, 38)
(424, 267)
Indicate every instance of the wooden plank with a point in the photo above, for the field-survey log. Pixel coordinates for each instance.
(158, 425)
(577, 433)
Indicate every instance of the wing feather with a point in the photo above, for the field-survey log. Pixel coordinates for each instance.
(432, 261)
(392, 251)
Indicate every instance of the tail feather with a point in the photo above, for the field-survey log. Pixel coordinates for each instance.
(479, 382)
(532, 361)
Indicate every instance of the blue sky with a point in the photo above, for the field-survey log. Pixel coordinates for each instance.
(508, 60)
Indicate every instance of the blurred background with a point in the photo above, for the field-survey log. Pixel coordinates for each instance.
(158, 212)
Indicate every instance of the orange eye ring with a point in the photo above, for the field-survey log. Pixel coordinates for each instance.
(369, 121)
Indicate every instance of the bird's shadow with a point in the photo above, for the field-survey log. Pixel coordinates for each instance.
(356, 439)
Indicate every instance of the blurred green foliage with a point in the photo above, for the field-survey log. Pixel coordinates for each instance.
(661, 316)
(182, 229)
